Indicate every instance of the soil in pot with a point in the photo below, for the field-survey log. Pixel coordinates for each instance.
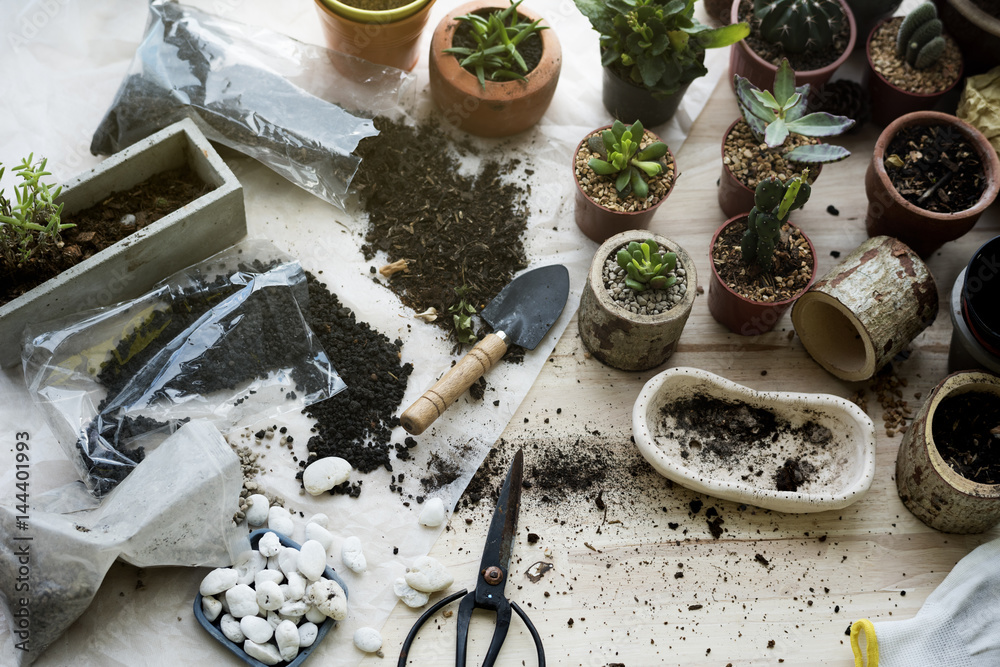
(751, 161)
(966, 431)
(377, 5)
(530, 49)
(935, 168)
(936, 78)
(800, 62)
(792, 265)
(103, 225)
(649, 301)
(601, 188)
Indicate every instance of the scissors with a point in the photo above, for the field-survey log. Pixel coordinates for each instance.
(493, 572)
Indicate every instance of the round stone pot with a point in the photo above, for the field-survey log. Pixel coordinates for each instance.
(629, 102)
(623, 339)
(975, 336)
(927, 485)
(389, 38)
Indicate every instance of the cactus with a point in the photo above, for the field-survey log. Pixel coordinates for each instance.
(799, 25)
(620, 154)
(646, 266)
(773, 203)
(919, 39)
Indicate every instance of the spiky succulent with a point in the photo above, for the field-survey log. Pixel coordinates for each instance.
(620, 153)
(773, 202)
(799, 25)
(773, 117)
(919, 40)
(646, 266)
(35, 220)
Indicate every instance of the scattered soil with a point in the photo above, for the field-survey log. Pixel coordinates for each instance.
(966, 431)
(601, 188)
(752, 161)
(649, 301)
(530, 49)
(888, 389)
(942, 171)
(936, 78)
(793, 262)
(103, 225)
(800, 62)
(377, 5)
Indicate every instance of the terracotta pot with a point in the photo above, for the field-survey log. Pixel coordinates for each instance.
(737, 313)
(628, 102)
(977, 33)
(868, 13)
(620, 338)
(924, 231)
(599, 223)
(746, 63)
(378, 37)
(927, 485)
(889, 101)
(503, 108)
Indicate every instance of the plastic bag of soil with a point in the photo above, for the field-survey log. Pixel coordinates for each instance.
(258, 92)
(174, 510)
(224, 340)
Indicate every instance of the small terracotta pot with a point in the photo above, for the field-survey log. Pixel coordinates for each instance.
(888, 101)
(734, 311)
(927, 485)
(599, 223)
(746, 63)
(503, 108)
(394, 43)
(925, 231)
(628, 102)
(977, 33)
(622, 339)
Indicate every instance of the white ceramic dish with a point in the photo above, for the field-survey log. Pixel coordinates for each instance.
(841, 471)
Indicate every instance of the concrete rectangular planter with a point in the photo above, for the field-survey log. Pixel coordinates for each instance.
(132, 266)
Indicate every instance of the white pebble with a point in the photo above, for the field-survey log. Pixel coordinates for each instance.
(242, 601)
(231, 629)
(266, 653)
(312, 560)
(248, 565)
(328, 597)
(314, 531)
(274, 619)
(273, 564)
(269, 597)
(286, 636)
(353, 556)
(367, 639)
(279, 519)
(294, 618)
(410, 596)
(288, 560)
(314, 615)
(432, 515)
(308, 633)
(293, 608)
(325, 473)
(428, 575)
(257, 506)
(320, 519)
(296, 588)
(277, 576)
(256, 629)
(269, 545)
(218, 580)
(210, 607)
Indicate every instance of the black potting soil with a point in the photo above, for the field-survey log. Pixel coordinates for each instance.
(966, 431)
(941, 170)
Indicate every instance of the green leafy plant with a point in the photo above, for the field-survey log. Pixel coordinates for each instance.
(773, 203)
(919, 40)
(773, 117)
(646, 266)
(658, 44)
(497, 37)
(34, 222)
(462, 313)
(799, 25)
(620, 153)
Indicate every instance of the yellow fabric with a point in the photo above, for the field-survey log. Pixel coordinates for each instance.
(871, 644)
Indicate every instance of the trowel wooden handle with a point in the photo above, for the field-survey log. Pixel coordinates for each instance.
(460, 377)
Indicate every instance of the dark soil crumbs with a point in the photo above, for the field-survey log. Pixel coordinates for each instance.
(792, 271)
(530, 49)
(966, 430)
(103, 225)
(800, 62)
(941, 170)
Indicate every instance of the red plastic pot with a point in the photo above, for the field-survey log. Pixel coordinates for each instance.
(924, 231)
(737, 313)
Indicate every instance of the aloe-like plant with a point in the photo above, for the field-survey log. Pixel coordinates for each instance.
(35, 221)
(646, 266)
(620, 153)
(773, 203)
(497, 37)
(774, 116)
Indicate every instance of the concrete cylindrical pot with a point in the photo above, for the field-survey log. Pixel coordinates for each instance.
(620, 338)
(629, 102)
(501, 108)
(975, 336)
(858, 316)
(889, 214)
(930, 488)
(390, 37)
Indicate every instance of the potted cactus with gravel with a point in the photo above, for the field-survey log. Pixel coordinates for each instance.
(912, 63)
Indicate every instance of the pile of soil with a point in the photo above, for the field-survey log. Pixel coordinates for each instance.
(941, 171)
(935, 78)
(792, 270)
(966, 431)
(800, 62)
(103, 225)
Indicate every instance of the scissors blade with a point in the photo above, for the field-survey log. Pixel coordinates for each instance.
(500, 539)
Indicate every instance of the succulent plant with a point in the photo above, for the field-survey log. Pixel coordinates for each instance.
(919, 39)
(773, 117)
(620, 153)
(497, 37)
(646, 266)
(799, 25)
(35, 221)
(657, 44)
(773, 202)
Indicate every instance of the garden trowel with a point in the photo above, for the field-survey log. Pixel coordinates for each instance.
(521, 314)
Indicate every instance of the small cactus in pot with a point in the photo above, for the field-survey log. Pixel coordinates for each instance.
(799, 25)
(919, 40)
(773, 203)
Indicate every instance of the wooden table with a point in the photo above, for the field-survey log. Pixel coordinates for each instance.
(773, 587)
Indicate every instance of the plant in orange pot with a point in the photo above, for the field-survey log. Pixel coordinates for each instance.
(493, 69)
(385, 32)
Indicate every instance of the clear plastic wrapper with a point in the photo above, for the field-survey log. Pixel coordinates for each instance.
(224, 340)
(261, 93)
